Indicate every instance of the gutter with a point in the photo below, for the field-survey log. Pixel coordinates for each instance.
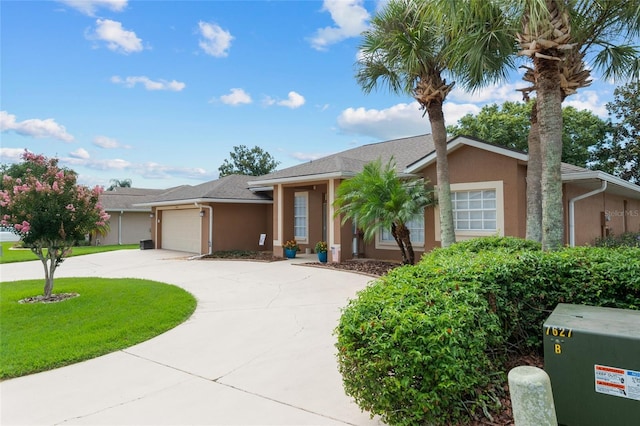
(572, 220)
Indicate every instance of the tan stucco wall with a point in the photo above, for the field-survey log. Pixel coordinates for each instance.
(136, 226)
(238, 227)
(468, 165)
(600, 215)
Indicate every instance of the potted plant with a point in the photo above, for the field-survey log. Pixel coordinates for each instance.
(321, 249)
(290, 248)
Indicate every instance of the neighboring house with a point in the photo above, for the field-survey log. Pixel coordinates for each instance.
(489, 193)
(129, 224)
(223, 214)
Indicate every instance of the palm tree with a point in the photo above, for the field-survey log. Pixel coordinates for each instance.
(408, 48)
(558, 37)
(117, 183)
(378, 199)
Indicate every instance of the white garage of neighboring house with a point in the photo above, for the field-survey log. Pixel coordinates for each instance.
(128, 224)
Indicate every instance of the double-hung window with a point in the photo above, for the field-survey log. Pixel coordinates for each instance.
(301, 216)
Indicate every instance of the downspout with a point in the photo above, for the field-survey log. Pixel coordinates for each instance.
(120, 228)
(572, 225)
(210, 225)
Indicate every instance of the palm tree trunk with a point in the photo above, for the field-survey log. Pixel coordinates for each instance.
(550, 125)
(396, 236)
(439, 135)
(534, 177)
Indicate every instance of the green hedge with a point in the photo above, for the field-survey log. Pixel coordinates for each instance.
(426, 344)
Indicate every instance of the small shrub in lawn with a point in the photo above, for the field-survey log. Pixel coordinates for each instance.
(426, 344)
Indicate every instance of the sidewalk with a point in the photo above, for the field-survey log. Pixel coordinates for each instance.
(258, 350)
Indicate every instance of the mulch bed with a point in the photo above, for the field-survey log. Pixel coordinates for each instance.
(54, 298)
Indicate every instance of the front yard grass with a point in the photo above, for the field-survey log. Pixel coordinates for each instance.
(108, 315)
(25, 255)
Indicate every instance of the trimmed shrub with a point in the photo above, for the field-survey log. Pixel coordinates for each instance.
(412, 347)
(426, 344)
(628, 239)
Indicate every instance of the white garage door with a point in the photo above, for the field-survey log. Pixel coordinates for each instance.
(181, 230)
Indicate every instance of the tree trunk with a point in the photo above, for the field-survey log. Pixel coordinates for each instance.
(50, 263)
(439, 135)
(396, 236)
(534, 177)
(550, 125)
(405, 237)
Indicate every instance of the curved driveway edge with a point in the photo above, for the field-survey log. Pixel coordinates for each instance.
(258, 350)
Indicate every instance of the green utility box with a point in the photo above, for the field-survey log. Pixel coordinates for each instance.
(592, 356)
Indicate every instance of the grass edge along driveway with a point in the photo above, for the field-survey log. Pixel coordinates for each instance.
(108, 315)
(11, 254)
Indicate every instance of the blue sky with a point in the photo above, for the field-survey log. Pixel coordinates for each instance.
(160, 92)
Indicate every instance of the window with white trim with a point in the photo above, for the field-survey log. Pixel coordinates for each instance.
(416, 233)
(474, 210)
(300, 216)
(478, 210)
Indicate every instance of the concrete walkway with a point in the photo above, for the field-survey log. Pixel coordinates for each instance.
(258, 350)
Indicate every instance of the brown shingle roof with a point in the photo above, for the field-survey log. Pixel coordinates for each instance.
(123, 199)
(228, 188)
(404, 151)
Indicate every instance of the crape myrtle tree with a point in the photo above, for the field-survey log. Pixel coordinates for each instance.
(378, 199)
(250, 162)
(411, 47)
(47, 208)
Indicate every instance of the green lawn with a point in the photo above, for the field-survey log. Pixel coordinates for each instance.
(24, 255)
(109, 314)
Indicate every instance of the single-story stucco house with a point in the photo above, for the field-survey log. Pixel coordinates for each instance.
(129, 223)
(488, 185)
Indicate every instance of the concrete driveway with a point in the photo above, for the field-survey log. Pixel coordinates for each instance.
(258, 350)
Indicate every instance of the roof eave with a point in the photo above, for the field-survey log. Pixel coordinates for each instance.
(304, 178)
(205, 200)
(456, 143)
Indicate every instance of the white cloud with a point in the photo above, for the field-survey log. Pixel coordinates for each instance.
(117, 38)
(215, 41)
(295, 100)
(236, 97)
(11, 155)
(495, 93)
(80, 153)
(350, 19)
(398, 121)
(173, 85)
(89, 7)
(454, 112)
(308, 156)
(34, 127)
(108, 143)
(589, 100)
(159, 171)
(149, 170)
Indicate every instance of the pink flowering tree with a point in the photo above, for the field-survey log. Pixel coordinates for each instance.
(47, 208)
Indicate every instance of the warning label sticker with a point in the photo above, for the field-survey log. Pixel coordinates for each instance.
(617, 382)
